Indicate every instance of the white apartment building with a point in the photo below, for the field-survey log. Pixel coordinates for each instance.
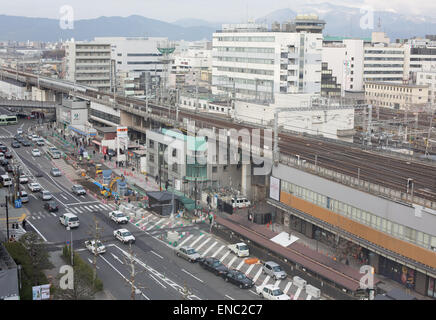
(421, 54)
(383, 62)
(88, 63)
(254, 62)
(191, 67)
(345, 59)
(428, 78)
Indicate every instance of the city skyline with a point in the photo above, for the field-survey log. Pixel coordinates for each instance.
(209, 11)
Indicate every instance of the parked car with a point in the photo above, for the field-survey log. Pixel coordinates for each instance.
(274, 270)
(9, 168)
(46, 195)
(213, 265)
(272, 292)
(3, 148)
(40, 142)
(2, 156)
(4, 162)
(124, 236)
(8, 155)
(118, 217)
(23, 179)
(51, 206)
(15, 144)
(34, 137)
(78, 190)
(69, 220)
(188, 253)
(19, 131)
(238, 278)
(24, 197)
(36, 153)
(30, 136)
(34, 187)
(26, 143)
(55, 172)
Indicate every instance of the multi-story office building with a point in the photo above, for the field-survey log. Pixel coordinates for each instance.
(421, 55)
(137, 56)
(251, 61)
(428, 78)
(396, 95)
(345, 60)
(89, 63)
(384, 62)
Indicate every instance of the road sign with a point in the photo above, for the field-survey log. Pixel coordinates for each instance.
(18, 203)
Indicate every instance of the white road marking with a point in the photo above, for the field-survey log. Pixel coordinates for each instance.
(231, 262)
(288, 285)
(277, 283)
(166, 223)
(89, 209)
(32, 195)
(216, 252)
(116, 258)
(227, 296)
(183, 242)
(210, 248)
(37, 231)
(240, 265)
(105, 205)
(297, 294)
(53, 214)
(249, 269)
(265, 281)
(153, 226)
(151, 276)
(202, 244)
(64, 197)
(78, 209)
(75, 203)
(92, 262)
(104, 259)
(72, 210)
(156, 254)
(197, 240)
(257, 275)
(224, 256)
(192, 275)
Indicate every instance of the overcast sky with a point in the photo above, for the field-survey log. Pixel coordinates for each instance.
(210, 10)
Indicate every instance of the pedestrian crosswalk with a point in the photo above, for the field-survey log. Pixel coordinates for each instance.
(75, 208)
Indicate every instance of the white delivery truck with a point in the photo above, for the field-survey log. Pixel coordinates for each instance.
(240, 249)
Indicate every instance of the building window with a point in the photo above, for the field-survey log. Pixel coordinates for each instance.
(151, 158)
(214, 169)
(151, 144)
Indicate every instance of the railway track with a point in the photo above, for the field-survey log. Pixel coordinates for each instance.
(381, 169)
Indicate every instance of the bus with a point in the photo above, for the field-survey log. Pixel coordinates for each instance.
(6, 120)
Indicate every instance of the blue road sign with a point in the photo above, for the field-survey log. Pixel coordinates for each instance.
(18, 203)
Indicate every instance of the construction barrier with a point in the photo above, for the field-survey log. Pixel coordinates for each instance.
(251, 261)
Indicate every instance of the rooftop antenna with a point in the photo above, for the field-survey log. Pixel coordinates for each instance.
(379, 24)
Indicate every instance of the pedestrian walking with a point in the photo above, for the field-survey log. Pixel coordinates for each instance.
(156, 178)
(110, 158)
(104, 157)
(24, 224)
(93, 152)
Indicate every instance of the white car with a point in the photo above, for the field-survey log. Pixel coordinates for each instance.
(46, 195)
(24, 179)
(34, 187)
(36, 153)
(118, 217)
(19, 131)
(95, 246)
(272, 292)
(35, 138)
(124, 236)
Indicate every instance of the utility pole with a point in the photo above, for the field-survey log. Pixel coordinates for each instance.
(96, 239)
(7, 217)
(429, 132)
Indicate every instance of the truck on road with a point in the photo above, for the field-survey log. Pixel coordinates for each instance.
(240, 249)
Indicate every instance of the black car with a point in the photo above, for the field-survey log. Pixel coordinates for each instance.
(238, 278)
(4, 162)
(111, 153)
(8, 155)
(213, 265)
(18, 137)
(9, 168)
(51, 206)
(15, 144)
(26, 143)
(3, 148)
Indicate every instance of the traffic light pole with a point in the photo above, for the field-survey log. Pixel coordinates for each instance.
(7, 217)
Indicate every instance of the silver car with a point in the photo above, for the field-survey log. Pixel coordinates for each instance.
(46, 195)
(55, 172)
(274, 270)
(188, 253)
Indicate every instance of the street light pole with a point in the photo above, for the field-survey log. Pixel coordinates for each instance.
(7, 217)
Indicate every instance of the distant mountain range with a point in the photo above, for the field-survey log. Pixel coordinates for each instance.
(41, 29)
(341, 21)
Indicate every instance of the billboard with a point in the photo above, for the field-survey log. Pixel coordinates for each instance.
(41, 292)
(274, 188)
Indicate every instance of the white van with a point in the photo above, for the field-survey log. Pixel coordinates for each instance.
(69, 220)
(240, 202)
(5, 180)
